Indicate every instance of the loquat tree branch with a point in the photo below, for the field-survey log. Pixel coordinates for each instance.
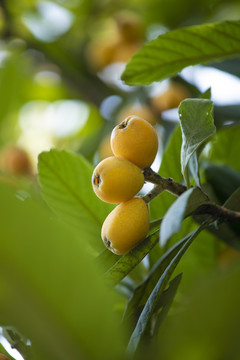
(167, 184)
(218, 212)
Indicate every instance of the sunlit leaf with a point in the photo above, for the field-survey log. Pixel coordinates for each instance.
(66, 186)
(174, 50)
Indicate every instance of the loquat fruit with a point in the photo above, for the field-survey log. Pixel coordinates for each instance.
(126, 226)
(171, 98)
(136, 140)
(116, 179)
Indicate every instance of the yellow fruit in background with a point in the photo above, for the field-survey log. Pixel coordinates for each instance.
(104, 149)
(171, 98)
(15, 161)
(115, 180)
(115, 39)
(130, 25)
(228, 257)
(99, 53)
(136, 140)
(125, 50)
(142, 110)
(126, 226)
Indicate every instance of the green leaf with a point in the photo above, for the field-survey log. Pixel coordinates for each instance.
(197, 126)
(206, 95)
(206, 327)
(150, 305)
(129, 261)
(185, 204)
(194, 168)
(4, 352)
(66, 185)
(225, 147)
(230, 233)
(144, 289)
(233, 202)
(174, 50)
(17, 341)
(223, 179)
(164, 303)
(51, 290)
(170, 167)
(106, 259)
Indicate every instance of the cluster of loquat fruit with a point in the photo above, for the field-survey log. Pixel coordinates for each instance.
(116, 39)
(118, 179)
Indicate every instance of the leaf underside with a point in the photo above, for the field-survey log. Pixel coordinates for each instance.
(174, 50)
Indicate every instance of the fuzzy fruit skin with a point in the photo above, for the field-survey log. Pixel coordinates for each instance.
(135, 140)
(126, 226)
(116, 180)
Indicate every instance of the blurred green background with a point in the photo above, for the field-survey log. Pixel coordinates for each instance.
(60, 87)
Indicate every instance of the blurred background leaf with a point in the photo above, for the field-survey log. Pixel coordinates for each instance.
(211, 331)
(62, 305)
(66, 185)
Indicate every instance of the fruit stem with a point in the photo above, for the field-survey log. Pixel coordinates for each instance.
(157, 189)
(164, 184)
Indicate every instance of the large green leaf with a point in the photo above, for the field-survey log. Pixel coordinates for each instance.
(152, 301)
(65, 180)
(185, 204)
(174, 50)
(197, 126)
(51, 290)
